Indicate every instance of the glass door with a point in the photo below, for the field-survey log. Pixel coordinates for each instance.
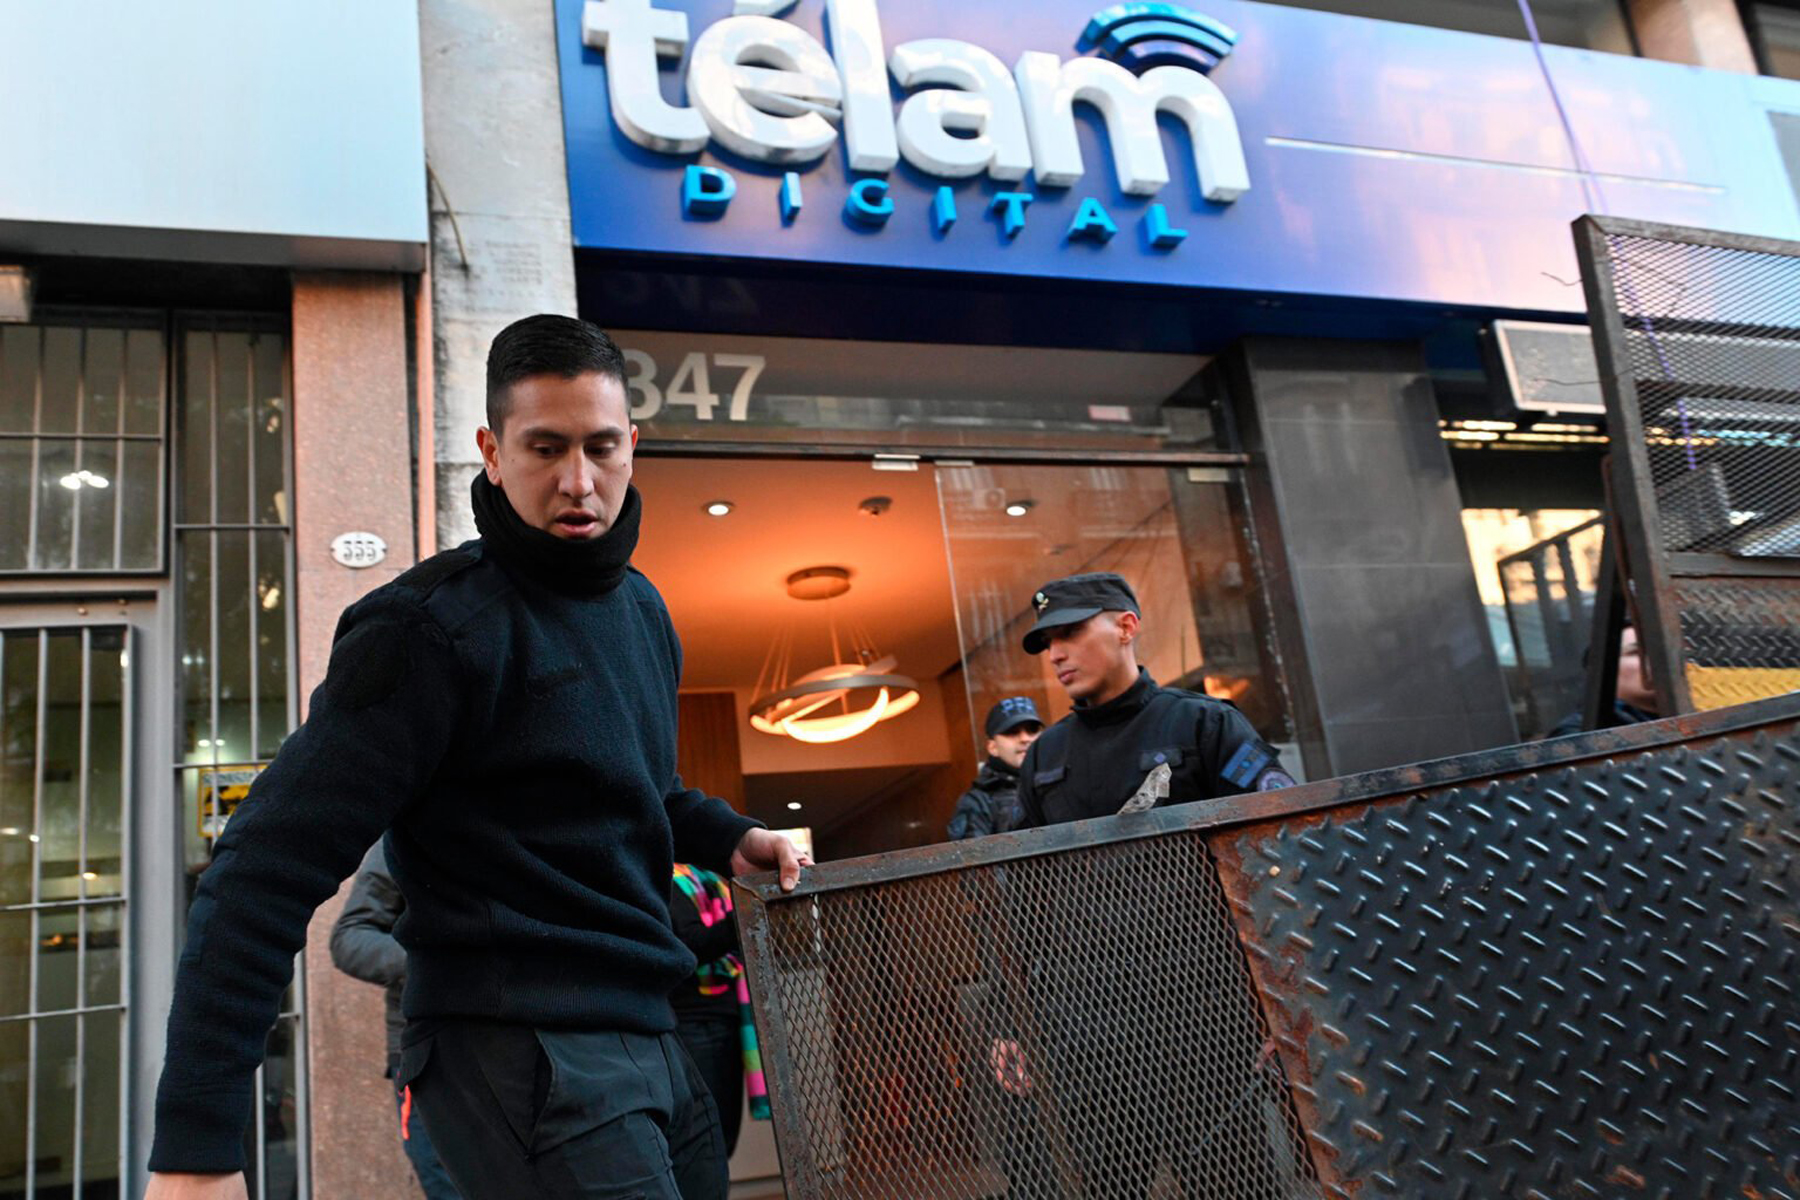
(1177, 534)
(65, 816)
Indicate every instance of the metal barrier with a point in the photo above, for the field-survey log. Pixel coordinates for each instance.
(1698, 339)
(1559, 969)
(1549, 613)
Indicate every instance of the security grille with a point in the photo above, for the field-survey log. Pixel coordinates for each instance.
(1699, 344)
(1561, 969)
(1548, 592)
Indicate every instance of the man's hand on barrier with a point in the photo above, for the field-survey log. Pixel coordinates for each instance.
(761, 850)
(167, 1185)
(1007, 1058)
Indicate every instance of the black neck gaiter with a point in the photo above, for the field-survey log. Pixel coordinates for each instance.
(592, 567)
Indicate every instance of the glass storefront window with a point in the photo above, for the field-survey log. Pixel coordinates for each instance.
(1169, 532)
(1585, 24)
(81, 447)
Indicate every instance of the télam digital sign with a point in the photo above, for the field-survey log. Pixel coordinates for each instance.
(1230, 145)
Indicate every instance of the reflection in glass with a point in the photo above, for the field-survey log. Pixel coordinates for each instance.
(59, 383)
(104, 361)
(58, 959)
(17, 483)
(144, 382)
(15, 964)
(268, 415)
(58, 1067)
(271, 615)
(101, 1157)
(194, 430)
(18, 378)
(18, 763)
(196, 646)
(231, 410)
(237, 597)
(104, 950)
(15, 1103)
(59, 772)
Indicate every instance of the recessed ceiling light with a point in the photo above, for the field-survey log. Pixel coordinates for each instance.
(718, 508)
(1019, 508)
(793, 805)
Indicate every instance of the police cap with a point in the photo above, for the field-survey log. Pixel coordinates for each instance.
(1011, 713)
(1073, 600)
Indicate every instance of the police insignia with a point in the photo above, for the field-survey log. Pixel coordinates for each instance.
(1040, 601)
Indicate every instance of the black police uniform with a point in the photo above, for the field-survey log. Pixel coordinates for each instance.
(1124, 1115)
(991, 805)
(1092, 761)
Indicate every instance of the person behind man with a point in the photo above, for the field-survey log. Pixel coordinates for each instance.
(1634, 699)
(1127, 745)
(991, 805)
(1124, 726)
(506, 712)
(363, 947)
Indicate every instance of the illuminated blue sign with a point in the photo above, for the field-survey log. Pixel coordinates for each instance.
(1229, 145)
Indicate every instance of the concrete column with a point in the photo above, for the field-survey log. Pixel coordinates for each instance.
(501, 241)
(1703, 33)
(352, 471)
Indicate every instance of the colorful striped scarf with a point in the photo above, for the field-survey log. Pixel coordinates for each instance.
(711, 895)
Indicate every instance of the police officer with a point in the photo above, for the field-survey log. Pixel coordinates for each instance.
(1129, 744)
(991, 805)
(1124, 726)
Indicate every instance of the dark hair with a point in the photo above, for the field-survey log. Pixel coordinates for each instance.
(545, 344)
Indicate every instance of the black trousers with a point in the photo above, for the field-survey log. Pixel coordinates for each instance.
(517, 1112)
(716, 1044)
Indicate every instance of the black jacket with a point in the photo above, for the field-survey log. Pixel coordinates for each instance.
(1091, 762)
(517, 741)
(362, 941)
(991, 805)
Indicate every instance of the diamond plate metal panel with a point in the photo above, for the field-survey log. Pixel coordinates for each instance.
(1562, 969)
(1572, 981)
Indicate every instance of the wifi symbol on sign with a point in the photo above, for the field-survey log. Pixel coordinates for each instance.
(1144, 35)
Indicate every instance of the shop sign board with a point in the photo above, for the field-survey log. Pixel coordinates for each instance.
(1227, 144)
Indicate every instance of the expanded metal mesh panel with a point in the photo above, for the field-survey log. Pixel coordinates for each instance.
(1558, 970)
(1713, 335)
(1076, 1024)
(1699, 340)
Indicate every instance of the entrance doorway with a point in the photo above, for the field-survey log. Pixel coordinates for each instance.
(940, 562)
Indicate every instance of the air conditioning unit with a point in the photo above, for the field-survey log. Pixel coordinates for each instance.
(1550, 368)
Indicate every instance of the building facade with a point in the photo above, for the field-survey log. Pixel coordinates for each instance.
(1271, 307)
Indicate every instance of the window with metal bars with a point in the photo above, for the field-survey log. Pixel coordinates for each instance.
(65, 721)
(234, 642)
(81, 445)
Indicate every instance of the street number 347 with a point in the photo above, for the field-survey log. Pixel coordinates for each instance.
(691, 386)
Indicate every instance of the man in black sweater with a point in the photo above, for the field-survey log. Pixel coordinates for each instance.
(506, 712)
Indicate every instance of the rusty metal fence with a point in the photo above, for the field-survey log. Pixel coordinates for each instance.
(1698, 339)
(1558, 970)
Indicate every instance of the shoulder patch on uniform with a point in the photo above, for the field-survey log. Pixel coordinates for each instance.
(367, 665)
